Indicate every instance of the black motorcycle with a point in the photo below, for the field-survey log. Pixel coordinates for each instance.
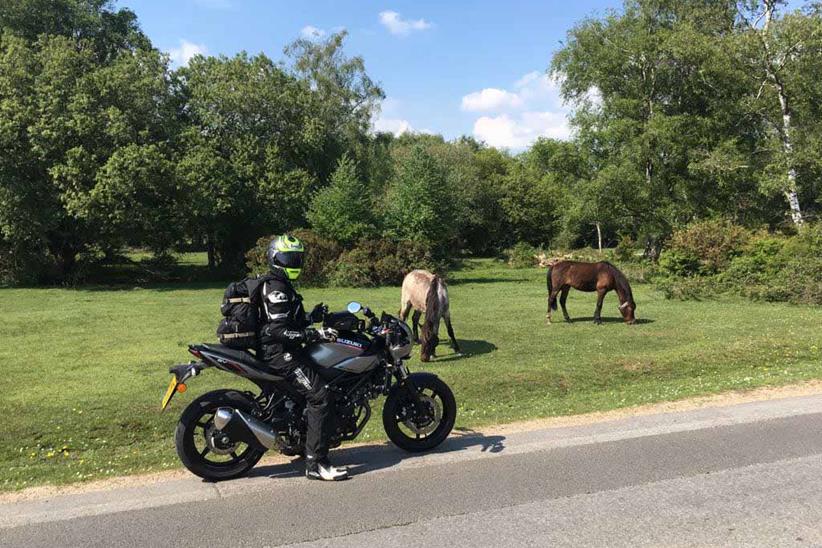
(224, 433)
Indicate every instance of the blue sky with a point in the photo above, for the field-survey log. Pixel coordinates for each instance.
(454, 68)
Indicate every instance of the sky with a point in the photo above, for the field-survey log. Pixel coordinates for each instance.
(453, 68)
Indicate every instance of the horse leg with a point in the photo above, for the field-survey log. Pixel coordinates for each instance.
(562, 298)
(404, 310)
(415, 320)
(437, 337)
(454, 344)
(552, 303)
(598, 312)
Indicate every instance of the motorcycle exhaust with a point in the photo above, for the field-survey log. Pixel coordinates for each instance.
(241, 427)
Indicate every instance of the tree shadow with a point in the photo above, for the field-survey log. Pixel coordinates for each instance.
(369, 458)
(469, 348)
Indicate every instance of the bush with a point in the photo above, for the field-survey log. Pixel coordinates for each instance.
(370, 263)
(626, 249)
(680, 263)
(522, 255)
(768, 267)
(321, 254)
(704, 247)
(381, 262)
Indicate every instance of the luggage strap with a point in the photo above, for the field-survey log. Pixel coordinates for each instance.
(240, 300)
(237, 335)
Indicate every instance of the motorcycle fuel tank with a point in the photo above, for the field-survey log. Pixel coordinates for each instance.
(348, 353)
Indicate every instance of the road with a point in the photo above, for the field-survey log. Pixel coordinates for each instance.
(749, 474)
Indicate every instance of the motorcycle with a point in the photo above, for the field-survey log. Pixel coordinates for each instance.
(224, 433)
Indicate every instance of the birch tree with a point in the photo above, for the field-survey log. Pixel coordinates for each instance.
(775, 46)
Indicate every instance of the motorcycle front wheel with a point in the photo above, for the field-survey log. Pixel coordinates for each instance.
(417, 428)
(204, 449)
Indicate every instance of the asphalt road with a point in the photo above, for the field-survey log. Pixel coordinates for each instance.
(743, 475)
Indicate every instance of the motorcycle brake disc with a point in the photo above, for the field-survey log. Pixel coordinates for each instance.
(431, 424)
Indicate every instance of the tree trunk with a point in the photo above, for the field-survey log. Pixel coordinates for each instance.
(212, 256)
(599, 237)
(787, 147)
(772, 73)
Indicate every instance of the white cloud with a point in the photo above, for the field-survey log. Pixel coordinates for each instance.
(311, 32)
(532, 108)
(182, 55)
(490, 99)
(519, 131)
(401, 27)
(397, 126)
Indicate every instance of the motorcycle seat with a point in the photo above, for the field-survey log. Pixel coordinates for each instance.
(237, 355)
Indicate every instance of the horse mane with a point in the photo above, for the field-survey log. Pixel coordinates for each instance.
(432, 315)
(622, 283)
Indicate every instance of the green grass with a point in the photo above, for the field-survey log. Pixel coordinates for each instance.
(83, 370)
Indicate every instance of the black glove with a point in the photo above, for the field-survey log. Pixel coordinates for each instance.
(323, 334)
(317, 314)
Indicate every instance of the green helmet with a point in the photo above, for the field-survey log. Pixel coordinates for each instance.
(286, 253)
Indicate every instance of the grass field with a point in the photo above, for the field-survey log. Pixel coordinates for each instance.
(83, 370)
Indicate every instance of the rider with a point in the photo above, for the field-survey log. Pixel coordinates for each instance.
(286, 330)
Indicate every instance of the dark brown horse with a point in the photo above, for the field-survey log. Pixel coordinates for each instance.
(601, 277)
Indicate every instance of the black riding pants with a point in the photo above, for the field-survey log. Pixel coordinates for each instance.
(319, 414)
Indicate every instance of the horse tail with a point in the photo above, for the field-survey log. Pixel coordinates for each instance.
(432, 301)
(552, 299)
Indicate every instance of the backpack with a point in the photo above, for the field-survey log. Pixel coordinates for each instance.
(241, 310)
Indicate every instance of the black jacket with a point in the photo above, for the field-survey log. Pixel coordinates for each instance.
(284, 316)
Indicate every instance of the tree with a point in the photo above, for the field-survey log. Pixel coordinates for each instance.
(136, 199)
(779, 51)
(668, 90)
(529, 201)
(347, 99)
(64, 118)
(109, 31)
(420, 205)
(343, 210)
(250, 149)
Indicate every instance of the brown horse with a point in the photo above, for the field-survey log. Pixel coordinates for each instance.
(427, 294)
(601, 277)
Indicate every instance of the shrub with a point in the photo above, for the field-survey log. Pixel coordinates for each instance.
(768, 267)
(381, 262)
(370, 263)
(321, 253)
(522, 255)
(680, 263)
(626, 249)
(711, 243)
(808, 243)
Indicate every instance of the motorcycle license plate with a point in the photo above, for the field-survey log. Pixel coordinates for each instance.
(172, 389)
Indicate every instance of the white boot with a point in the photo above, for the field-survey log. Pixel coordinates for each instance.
(321, 469)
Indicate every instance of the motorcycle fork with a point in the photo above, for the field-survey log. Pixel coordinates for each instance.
(405, 382)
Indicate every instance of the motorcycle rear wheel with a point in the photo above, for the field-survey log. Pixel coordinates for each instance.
(200, 445)
(414, 433)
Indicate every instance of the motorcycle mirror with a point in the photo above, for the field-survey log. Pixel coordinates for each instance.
(354, 307)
